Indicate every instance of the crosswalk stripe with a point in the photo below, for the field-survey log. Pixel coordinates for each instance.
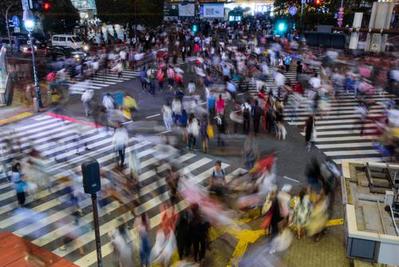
(100, 81)
(344, 145)
(352, 152)
(63, 213)
(27, 127)
(338, 130)
(49, 231)
(345, 138)
(64, 172)
(106, 249)
(45, 142)
(375, 159)
(345, 126)
(42, 194)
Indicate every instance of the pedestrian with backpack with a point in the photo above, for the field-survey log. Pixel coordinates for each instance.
(218, 180)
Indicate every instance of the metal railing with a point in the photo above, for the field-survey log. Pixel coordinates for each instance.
(393, 220)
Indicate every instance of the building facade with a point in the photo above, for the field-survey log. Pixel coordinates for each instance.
(87, 8)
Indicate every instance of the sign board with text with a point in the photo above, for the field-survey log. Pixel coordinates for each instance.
(212, 11)
(186, 10)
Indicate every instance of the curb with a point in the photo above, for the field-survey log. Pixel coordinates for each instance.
(16, 118)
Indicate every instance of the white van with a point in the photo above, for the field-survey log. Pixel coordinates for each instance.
(67, 40)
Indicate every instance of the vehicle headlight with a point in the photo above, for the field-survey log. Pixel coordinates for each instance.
(25, 49)
(86, 48)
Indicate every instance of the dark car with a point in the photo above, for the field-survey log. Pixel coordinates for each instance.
(65, 52)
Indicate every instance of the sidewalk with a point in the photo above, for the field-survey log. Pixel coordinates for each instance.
(329, 251)
(14, 113)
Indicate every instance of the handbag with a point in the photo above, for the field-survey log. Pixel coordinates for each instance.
(267, 220)
(210, 132)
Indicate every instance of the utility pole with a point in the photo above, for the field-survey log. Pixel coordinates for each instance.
(7, 23)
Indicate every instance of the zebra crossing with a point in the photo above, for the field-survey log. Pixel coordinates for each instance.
(49, 218)
(100, 80)
(252, 85)
(338, 131)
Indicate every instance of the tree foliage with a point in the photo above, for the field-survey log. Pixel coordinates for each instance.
(62, 17)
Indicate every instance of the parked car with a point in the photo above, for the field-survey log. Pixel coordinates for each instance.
(67, 40)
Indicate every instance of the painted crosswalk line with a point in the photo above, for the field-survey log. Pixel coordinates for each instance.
(100, 81)
(338, 132)
(55, 138)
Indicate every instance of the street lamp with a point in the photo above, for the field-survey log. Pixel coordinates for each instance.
(29, 24)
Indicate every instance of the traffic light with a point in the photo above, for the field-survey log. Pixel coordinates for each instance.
(41, 5)
(46, 6)
(194, 28)
(317, 2)
(281, 27)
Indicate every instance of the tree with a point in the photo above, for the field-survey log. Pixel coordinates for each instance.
(62, 17)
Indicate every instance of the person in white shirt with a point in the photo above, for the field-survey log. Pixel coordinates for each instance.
(108, 102)
(315, 82)
(192, 131)
(191, 87)
(167, 116)
(123, 57)
(231, 88)
(120, 141)
(86, 98)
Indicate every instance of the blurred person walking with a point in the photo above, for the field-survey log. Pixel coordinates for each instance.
(301, 213)
(250, 152)
(120, 141)
(108, 102)
(167, 115)
(145, 245)
(86, 98)
(199, 229)
(310, 132)
(184, 234)
(192, 131)
(256, 116)
(246, 113)
(19, 184)
(123, 247)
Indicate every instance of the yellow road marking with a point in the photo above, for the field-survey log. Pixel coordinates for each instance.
(245, 237)
(16, 118)
(335, 222)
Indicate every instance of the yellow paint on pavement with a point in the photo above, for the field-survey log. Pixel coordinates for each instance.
(335, 222)
(245, 238)
(15, 118)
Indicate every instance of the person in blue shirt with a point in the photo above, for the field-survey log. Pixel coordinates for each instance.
(183, 118)
(19, 184)
(211, 105)
(287, 62)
